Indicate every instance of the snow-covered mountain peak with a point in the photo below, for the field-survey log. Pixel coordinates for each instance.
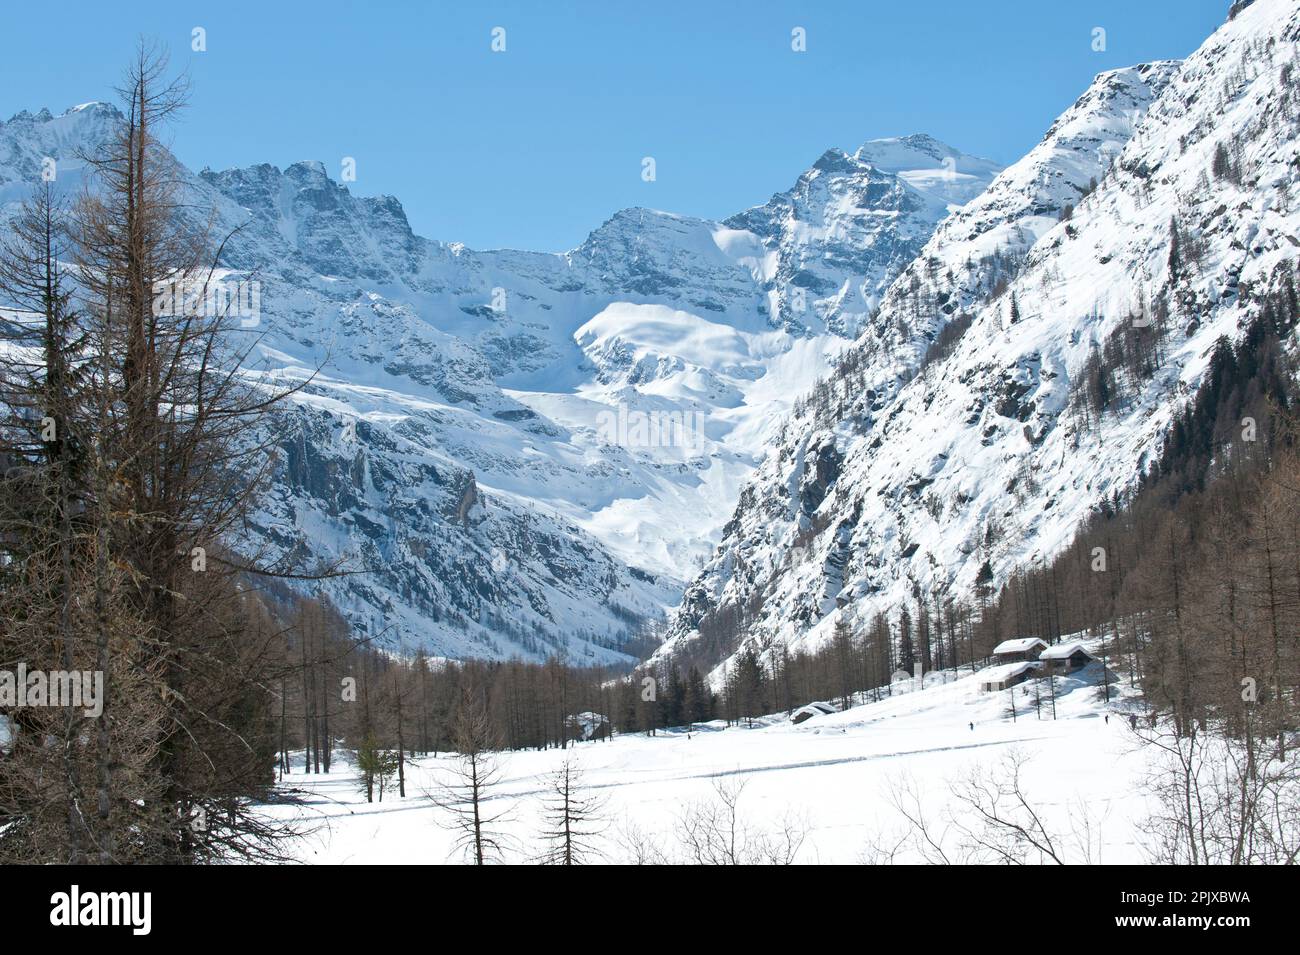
(849, 224)
(924, 456)
(981, 244)
(835, 161)
(29, 142)
(81, 113)
(931, 167)
(27, 118)
(1111, 107)
(583, 420)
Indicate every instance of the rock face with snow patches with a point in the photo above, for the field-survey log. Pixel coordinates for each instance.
(928, 453)
(526, 453)
(853, 222)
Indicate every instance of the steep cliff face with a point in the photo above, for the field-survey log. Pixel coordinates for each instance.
(987, 449)
(525, 452)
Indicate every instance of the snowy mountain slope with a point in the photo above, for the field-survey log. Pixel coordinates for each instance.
(29, 140)
(852, 222)
(990, 235)
(892, 483)
(930, 167)
(475, 437)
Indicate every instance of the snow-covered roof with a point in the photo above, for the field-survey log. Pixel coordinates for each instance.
(1018, 645)
(821, 706)
(816, 709)
(1006, 671)
(1063, 651)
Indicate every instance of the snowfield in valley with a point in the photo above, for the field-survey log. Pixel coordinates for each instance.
(832, 774)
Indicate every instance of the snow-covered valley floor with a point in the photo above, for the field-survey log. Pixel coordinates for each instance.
(838, 775)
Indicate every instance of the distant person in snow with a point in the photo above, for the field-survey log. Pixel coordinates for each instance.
(972, 727)
(1132, 721)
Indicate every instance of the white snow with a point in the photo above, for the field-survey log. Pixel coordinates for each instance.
(443, 369)
(1063, 651)
(1018, 645)
(979, 457)
(995, 674)
(833, 772)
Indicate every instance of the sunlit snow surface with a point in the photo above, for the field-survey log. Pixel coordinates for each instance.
(834, 773)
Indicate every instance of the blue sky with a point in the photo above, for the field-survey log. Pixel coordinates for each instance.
(536, 146)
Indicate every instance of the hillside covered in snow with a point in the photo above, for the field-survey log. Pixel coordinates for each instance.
(965, 426)
(529, 453)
